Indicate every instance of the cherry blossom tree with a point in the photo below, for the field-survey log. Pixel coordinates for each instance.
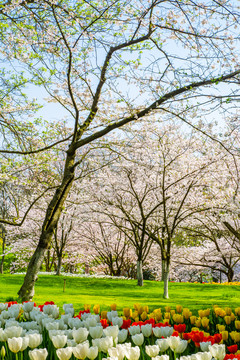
(109, 64)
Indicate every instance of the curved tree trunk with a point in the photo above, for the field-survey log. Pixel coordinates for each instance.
(53, 213)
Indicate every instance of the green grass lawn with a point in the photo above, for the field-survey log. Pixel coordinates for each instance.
(125, 293)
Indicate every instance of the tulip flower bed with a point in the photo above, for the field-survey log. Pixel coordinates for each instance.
(40, 332)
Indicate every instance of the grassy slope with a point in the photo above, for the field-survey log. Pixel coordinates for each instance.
(125, 293)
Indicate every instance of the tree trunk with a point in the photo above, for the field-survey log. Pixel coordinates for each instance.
(165, 279)
(3, 250)
(230, 274)
(53, 213)
(163, 270)
(59, 265)
(139, 273)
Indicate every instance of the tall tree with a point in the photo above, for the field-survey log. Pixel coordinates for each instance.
(108, 64)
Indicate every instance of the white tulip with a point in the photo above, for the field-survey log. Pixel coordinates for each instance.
(133, 353)
(163, 344)
(106, 343)
(75, 323)
(218, 351)
(28, 306)
(122, 335)
(96, 332)
(174, 341)
(15, 344)
(59, 341)
(81, 351)
(3, 336)
(3, 306)
(161, 357)
(34, 340)
(80, 335)
(205, 345)
(52, 325)
(181, 347)
(112, 331)
(133, 330)
(205, 355)
(25, 343)
(146, 330)
(138, 339)
(92, 352)
(13, 331)
(152, 350)
(112, 314)
(38, 354)
(64, 354)
(117, 321)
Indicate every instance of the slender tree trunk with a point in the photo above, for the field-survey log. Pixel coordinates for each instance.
(230, 274)
(59, 265)
(139, 273)
(53, 213)
(165, 279)
(163, 269)
(3, 250)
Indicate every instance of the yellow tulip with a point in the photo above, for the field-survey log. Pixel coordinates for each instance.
(87, 307)
(179, 308)
(172, 312)
(144, 316)
(237, 337)
(135, 315)
(193, 319)
(221, 327)
(201, 313)
(136, 306)
(237, 311)
(113, 307)
(167, 315)
(158, 314)
(167, 308)
(127, 312)
(206, 312)
(187, 313)
(233, 317)
(140, 310)
(224, 335)
(228, 310)
(198, 322)
(104, 314)
(205, 322)
(96, 309)
(227, 319)
(165, 321)
(178, 318)
(237, 324)
(146, 309)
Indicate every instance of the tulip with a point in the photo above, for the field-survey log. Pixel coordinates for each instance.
(13, 331)
(92, 352)
(152, 350)
(205, 322)
(81, 351)
(80, 335)
(64, 354)
(34, 340)
(181, 347)
(179, 308)
(146, 330)
(133, 353)
(111, 331)
(133, 330)
(15, 344)
(122, 335)
(38, 354)
(113, 307)
(138, 339)
(117, 321)
(218, 351)
(127, 312)
(205, 345)
(224, 335)
(25, 343)
(28, 306)
(174, 342)
(163, 344)
(106, 343)
(227, 320)
(96, 309)
(75, 323)
(59, 341)
(96, 332)
(3, 352)
(161, 357)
